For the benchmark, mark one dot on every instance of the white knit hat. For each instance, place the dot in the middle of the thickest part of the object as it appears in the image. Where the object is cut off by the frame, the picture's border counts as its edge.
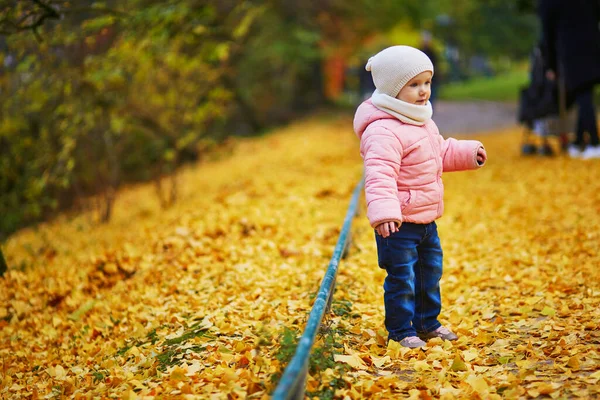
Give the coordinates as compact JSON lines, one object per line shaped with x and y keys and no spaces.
{"x":393,"y":67}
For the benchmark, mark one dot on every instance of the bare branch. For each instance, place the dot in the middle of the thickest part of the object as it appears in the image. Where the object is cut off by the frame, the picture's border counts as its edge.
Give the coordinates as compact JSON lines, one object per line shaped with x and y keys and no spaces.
{"x":34,"y":25}
{"x":51,"y":12}
{"x":24,"y":18}
{"x":39,"y":11}
{"x":38,"y":14}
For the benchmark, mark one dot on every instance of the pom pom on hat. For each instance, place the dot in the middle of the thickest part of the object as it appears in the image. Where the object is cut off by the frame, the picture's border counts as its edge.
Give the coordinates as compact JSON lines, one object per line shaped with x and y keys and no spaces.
{"x":393,"y":67}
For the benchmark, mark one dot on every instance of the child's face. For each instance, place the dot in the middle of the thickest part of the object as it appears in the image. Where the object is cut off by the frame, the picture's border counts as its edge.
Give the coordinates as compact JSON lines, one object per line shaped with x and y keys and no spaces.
{"x":417,"y":90}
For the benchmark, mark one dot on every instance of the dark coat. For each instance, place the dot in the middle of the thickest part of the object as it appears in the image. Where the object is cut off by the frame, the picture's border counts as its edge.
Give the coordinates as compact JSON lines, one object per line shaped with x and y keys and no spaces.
{"x":572,"y":40}
{"x":540,"y":98}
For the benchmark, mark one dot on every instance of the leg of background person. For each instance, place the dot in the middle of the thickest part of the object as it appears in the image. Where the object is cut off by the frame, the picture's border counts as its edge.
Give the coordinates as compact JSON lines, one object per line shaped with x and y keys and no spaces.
{"x":594,"y":139}
{"x":586,"y":118}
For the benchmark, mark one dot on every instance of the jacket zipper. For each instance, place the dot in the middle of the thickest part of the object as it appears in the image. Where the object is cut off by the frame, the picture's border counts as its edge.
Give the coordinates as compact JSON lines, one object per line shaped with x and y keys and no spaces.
{"x":437,"y":173}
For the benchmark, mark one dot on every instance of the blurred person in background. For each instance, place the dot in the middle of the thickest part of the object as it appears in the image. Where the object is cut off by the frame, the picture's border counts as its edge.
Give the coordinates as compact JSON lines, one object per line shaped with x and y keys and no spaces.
{"x":571,"y":33}
{"x":427,"y":48}
{"x":367,"y":87}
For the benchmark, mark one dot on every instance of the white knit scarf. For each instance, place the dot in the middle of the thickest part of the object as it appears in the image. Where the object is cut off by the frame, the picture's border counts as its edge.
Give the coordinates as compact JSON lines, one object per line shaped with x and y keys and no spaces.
{"x":405,"y":112}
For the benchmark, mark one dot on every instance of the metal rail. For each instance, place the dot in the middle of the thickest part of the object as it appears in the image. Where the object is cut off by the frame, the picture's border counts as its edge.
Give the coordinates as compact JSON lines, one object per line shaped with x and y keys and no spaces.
{"x":293,"y":381}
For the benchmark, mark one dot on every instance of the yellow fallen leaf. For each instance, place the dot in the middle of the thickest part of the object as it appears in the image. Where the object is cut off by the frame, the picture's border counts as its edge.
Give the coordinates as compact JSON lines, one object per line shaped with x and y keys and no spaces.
{"x":352,"y":360}
{"x":56,"y":321}
{"x":194,"y":367}
{"x":450,"y":391}
{"x":470,"y":355}
{"x":548,"y":311}
{"x":547,"y":388}
{"x":134,"y":351}
{"x":458,"y":364}
{"x":178,"y":374}
{"x":82,"y":310}
{"x":478,"y":384}
{"x":15,"y":387}
{"x":395,"y":350}
{"x":379,"y":362}
{"x":111,"y":268}
{"x":573,"y":363}
{"x":488,"y":315}
{"x":136,"y":384}
{"x":422,"y":365}
{"x":595,"y":375}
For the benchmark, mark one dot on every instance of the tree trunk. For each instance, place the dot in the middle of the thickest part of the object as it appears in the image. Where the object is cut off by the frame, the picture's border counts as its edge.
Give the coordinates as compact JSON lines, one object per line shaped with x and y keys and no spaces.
{"x":109,"y":200}
{"x":114,"y":168}
{"x":174,"y":188}
{"x":166,"y":196}
{"x":3,"y":266}
{"x":174,"y":170}
{"x":158,"y":177}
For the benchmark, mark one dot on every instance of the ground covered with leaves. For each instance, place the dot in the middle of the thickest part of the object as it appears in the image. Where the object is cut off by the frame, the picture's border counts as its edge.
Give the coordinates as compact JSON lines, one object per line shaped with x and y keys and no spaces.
{"x":207,"y":299}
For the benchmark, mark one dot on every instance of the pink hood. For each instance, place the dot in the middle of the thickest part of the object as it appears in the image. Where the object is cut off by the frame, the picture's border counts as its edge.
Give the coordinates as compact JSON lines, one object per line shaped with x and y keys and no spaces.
{"x":404,"y":165}
{"x":367,"y":113}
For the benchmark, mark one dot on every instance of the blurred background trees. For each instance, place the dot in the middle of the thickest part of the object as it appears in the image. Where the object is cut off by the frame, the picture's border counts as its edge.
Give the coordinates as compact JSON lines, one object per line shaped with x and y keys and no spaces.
{"x":96,"y":94}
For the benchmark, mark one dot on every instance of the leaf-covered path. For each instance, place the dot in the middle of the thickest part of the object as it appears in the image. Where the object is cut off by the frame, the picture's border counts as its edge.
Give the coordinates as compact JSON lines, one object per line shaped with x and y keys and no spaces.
{"x":205,"y":299}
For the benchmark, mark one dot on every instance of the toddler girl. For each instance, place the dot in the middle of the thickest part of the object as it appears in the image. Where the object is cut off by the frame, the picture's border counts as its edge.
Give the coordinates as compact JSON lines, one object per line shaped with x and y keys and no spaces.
{"x":404,"y":156}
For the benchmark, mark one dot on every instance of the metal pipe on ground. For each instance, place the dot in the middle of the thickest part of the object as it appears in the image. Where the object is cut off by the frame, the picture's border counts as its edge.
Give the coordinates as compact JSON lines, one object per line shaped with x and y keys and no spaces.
{"x":293,"y":381}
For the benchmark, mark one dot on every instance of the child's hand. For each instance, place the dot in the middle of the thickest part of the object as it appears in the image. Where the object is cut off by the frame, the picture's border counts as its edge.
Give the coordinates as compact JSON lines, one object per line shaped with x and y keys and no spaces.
{"x":481,"y":156}
{"x":385,"y":229}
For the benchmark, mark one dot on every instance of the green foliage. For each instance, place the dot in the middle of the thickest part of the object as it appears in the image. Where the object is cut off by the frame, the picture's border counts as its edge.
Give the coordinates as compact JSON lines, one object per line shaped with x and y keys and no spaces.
{"x":117,"y":91}
{"x":171,"y":350}
{"x":341,"y":308}
{"x":288,"y":344}
{"x":99,"y":376}
{"x":494,"y":28}
{"x":323,"y":353}
{"x":323,"y":357}
{"x":287,"y":347}
{"x":123,"y":104}
{"x":111,"y":92}
{"x":504,"y":87}
{"x":196,"y":330}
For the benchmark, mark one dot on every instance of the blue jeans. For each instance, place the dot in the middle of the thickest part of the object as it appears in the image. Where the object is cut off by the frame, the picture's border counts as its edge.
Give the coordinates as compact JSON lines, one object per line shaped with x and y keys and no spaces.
{"x":412,"y":258}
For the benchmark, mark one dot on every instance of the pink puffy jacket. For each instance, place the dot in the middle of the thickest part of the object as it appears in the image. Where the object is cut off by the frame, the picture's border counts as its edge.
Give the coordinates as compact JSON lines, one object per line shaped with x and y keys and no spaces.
{"x":404,"y":164}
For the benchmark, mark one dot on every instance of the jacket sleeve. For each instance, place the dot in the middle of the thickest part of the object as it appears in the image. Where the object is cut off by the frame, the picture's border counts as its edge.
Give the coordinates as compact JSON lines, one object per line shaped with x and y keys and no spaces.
{"x":460,"y":155}
{"x":382,"y":152}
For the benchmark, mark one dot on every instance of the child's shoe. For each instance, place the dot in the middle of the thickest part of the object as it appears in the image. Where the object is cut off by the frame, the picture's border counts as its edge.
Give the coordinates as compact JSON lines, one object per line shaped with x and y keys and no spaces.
{"x":412,"y":342}
{"x":441,"y":332}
